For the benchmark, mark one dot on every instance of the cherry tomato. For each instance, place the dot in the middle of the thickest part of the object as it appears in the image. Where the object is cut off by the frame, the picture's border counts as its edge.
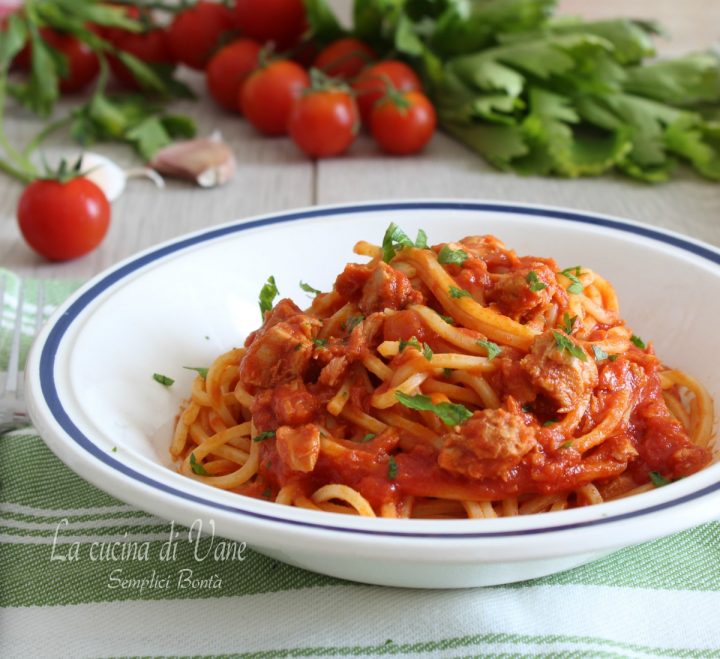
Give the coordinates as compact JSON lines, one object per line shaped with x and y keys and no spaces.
{"x":196,"y":33}
{"x":62,"y":221}
{"x":403,"y":123}
{"x":324,"y":122}
{"x":280,"y":21}
{"x":372,"y":84}
{"x":115,"y":34}
{"x":345,"y":58}
{"x":268,"y":95}
{"x":151,"y":47}
{"x":228,"y":70}
{"x":82,"y":63}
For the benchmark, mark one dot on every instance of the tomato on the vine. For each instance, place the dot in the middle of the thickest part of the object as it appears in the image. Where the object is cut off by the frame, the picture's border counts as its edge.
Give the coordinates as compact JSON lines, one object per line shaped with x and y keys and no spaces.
{"x":228,"y":70}
{"x":403,"y":123}
{"x":268,"y":95}
{"x":324,"y":122}
{"x":373,"y":83}
{"x":281,"y":21}
{"x":345,"y":58}
{"x":197,"y":32}
{"x":150,"y":46}
{"x":63,"y":220}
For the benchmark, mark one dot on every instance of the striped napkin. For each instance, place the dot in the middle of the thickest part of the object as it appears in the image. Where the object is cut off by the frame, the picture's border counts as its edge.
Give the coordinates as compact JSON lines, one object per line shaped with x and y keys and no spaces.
{"x":81,"y":575}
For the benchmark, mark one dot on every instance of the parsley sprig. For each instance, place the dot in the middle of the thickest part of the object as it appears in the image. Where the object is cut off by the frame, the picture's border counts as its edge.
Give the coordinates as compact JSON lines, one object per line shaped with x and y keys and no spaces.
{"x":395,"y":240}
{"x":564,"y":343}
{"x":268,"y":293}
{"x":450,"y":414}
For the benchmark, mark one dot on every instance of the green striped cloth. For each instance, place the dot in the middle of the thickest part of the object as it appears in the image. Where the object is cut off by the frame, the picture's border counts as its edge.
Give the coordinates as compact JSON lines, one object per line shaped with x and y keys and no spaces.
{"x":64,"y":593}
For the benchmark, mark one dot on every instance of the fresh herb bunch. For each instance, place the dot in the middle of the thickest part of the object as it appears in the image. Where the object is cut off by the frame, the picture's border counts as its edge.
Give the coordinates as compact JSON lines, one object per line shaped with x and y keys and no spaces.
{"x":537,"y":94}
{"x":130,"y":118}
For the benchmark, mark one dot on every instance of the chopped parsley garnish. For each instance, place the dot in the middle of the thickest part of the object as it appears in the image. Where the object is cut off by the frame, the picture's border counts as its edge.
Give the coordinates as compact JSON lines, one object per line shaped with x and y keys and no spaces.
{"x":534,"y":283}
{"x":564,"y":343}
{"x":197,"y":466}
{"x":309,"y":289}
{"x":164,"y":380}
{"x":657,"y":479}
{"x":267,"y":294}
{"x":527,"y":408}
{"x":413,"y":343}
{"x":568,"y":323}
{"x":567,"y":444}
{"x":636,"y":340}
{"x":447,"y":372}
{"x":449,"y":256}
{"x":267,"y":493}
{"x":198,"y":369}
{"x":392,"y":469}
{"x":395,"y":239}
{"x":114,"y":449}
{"x":267,"y":434}
{"x":573,"y":274}
{"x":320,"y":343}
{"x":351,"y":323}
{"x":612,"y":358}
{"x":427,"y":352}
{"x":493,"y":349}
{"x":368,"y":437}
{"x":297,"y":346}
{"x":458,"y":292}
{"x":549,"y":422}
{"x":450,"y":414}
{"x":599,"y":353}
{"x":448,"y":319}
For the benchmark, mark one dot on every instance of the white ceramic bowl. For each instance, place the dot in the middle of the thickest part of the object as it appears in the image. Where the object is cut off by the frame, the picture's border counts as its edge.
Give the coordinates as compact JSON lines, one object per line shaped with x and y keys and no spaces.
{"x":91,"y":394}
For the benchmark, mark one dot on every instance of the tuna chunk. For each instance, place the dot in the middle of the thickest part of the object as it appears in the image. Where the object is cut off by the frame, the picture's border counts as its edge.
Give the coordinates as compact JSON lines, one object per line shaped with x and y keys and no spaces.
{"x":387,"y":288}
{"x":490,"y":444}
{"x":522,"y":292}
{"x":563,"y":377}
{"x":298,"y":448}
{"x":293,"y":404}
{"x":280,"y":351}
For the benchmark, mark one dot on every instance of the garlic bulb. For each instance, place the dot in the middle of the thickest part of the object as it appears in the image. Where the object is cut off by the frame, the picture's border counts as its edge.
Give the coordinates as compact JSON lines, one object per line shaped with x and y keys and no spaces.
{"x":207,"y":161}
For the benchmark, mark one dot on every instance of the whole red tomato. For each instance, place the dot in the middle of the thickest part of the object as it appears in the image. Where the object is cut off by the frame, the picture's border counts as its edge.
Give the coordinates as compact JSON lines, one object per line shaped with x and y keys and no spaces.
{"x":280,"y":21}
{"x":82,"y":62}
{"x":268,"y":95}
{"x":324,"y":122}
{"x":403,"y":123}
{"x":372,"y":84}
{"x":151,"y":47}
{"x":196,"y":33}
{"x":62,"y":221}
{"x":345,"y":58}
{"x":228,"y":70}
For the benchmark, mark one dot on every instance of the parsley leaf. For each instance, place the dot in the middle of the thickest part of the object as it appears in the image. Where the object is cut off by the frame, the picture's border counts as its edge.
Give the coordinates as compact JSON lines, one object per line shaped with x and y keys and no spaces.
{"x":267,"y":493}
{"x":163,"y":379}
{"x":427,"y":352}
{"x":450,"y":414}
{"x":267,"y":294}
{"x":392,"y":468}
{"x":534,"y":283}
{"x":309,"y":289}
{"x":421,"y":240}
{"x":394,"y":240}
{"x":448,"y":256}
{"x":320,"y":343}
{"x":564,"y":343}
{"x":567,"y":444}
{"x":448,"y":319}
{"x":267,"y":434}
{"x":458,"y":292}
{"x":493,"y":349}
{"x":198,"y":369}
{"x":568,"y":323}
{"x":599,"y":353}
{"x":612,"y":358}
{"x":351,"y":323}
{"x":573,"y":274}
{"x":197,"y":466}
{"x":368,"y":437}
{"x":636,"y":340}
{"x":549,"y":422}
{"x":657,"y":479}
{"x":447,"y":372}
{"x":413,"y":343}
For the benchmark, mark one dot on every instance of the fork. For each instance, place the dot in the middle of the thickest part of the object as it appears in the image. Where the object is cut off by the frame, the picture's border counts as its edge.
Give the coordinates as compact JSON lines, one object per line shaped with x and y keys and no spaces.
{"x":13,"y":413}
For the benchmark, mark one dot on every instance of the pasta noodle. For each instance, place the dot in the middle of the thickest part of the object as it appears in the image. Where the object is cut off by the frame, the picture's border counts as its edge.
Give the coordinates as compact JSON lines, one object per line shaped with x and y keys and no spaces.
{"x":459,"y":380}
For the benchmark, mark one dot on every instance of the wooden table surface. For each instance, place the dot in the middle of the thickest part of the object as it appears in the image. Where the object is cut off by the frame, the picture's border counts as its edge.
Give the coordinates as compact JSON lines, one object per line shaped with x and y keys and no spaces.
{"x":272,"y":175}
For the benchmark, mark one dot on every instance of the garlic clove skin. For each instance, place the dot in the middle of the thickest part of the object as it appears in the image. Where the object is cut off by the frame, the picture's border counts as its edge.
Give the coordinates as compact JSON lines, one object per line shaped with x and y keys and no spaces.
{"x":104,"y":173}
{"x":207,"y":161}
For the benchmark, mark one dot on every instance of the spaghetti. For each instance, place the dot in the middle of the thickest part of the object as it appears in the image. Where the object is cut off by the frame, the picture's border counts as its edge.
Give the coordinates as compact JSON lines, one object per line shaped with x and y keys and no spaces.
{"x":460,"y":380}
